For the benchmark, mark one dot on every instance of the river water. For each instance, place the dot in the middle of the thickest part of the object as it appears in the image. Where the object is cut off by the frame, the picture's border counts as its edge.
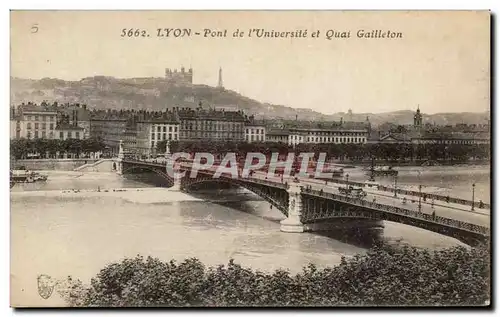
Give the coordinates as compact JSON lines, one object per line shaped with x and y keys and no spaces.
{"x":59,"y":232}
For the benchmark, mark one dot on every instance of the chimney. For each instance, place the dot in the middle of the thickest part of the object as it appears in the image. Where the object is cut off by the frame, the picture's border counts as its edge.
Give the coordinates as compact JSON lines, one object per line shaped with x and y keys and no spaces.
{"x":296,"y":117}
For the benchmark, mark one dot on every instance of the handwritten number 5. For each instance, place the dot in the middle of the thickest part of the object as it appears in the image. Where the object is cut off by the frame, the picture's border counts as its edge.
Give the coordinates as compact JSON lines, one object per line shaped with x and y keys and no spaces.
{"x":34,"y":28}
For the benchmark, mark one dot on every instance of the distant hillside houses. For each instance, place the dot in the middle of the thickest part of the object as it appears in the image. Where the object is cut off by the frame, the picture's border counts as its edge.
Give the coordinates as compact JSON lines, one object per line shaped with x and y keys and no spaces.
{"x":420,"y":133}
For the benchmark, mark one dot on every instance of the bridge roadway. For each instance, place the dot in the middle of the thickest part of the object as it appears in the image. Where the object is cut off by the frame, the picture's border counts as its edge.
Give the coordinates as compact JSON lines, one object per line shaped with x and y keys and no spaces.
{"x":446,"y":216}
{"x":458,"y":212}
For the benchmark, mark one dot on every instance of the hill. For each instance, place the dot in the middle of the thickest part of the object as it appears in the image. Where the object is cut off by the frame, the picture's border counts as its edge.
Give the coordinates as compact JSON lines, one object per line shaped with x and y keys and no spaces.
{"x":158,"y":94}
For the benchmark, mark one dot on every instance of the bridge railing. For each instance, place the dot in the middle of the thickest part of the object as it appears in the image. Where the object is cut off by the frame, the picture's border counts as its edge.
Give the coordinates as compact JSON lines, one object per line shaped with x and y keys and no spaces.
{"x":401,"y":211}
{"x":407,"y":192}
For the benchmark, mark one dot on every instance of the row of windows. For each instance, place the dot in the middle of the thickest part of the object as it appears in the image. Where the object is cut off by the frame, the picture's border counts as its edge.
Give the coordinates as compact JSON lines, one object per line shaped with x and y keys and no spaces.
{"x":254,"y":137}
{"x":276,"y":138}
{"x":164,"y":128}
{"x":43,"y":135}
{"x":333,"y":133}
{"x":299,"y":139}
{"x":257,"y":131}
{"x":208,"y":125}
{"x":336,"y":139}
{"x":163,"y":136}
{"x":41,"y":117}
{"x":44,"y":126}
{"x":454,"y":141}
{"x":211,"y":134}
{"x":212,"y":128}
{"x":70,"y":135}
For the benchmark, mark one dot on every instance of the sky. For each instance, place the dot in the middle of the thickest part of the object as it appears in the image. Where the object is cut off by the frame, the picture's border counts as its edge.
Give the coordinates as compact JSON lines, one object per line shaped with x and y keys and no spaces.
{"x":441,"y":63}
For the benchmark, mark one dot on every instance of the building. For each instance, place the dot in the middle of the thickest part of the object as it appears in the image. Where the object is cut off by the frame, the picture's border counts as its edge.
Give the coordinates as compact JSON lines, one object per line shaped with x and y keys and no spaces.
{"x":140,"y":131}
{"x":108,"y":125}
{"x":66,"y":131}
{"x":298,"y":132}
{"x":156,"y":128}
{"x":182,"y":77}
{"x":433,"y":134}
{"x":76,"y":115}
{"x":418,"y":120}
{"x":255,"y":131}
{"x":452,"y":138}
{"x":210,"y":124}
{"x":15,"y":124}
{"x":277,"y":135}
{"x":328,"y":132}
{"x":33,"y":121}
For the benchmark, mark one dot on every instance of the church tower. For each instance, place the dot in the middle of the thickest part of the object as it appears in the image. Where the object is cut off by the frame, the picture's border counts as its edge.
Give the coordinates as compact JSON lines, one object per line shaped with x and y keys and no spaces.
{"x":417,"y":119}
{"x":220,"y":84}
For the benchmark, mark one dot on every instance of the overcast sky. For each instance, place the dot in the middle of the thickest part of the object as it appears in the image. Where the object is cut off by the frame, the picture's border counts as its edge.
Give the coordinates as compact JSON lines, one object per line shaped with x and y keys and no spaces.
{"x":442,"y":63}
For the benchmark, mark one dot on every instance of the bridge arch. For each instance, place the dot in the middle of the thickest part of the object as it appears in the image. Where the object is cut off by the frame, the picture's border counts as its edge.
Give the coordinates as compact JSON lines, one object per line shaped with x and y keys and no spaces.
{"x":281,"y":205}
{"x":128,"y":168}
{"x":331,"y":209}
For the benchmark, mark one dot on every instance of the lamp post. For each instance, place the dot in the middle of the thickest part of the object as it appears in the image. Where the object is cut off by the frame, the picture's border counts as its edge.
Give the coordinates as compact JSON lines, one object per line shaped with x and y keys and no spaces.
{"x":347,"y":181}
{"x":419,"y":198}
{"x":473,"y":187}
{"x":395,"y":185}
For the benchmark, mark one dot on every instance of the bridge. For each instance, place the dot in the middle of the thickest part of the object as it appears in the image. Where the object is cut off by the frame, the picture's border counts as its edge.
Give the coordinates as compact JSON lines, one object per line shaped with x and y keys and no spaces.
{"x":314,"y":205}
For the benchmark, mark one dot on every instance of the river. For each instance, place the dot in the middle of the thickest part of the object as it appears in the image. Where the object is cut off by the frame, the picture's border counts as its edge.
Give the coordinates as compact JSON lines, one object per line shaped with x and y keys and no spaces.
{"x":60,"y":232}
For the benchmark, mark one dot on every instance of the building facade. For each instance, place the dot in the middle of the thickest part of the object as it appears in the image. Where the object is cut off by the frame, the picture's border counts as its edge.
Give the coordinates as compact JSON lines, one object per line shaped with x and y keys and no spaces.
{"x":33,"y":121}
{"x":163,"y":130}
{"x":75,"y":115}
{"x":210,"y":124}
{"x":328,"y":132}
{"x":277,"y":135}
{"x":69,"y":131}
{"x":255,"y":131}
{"x":108,"y":125}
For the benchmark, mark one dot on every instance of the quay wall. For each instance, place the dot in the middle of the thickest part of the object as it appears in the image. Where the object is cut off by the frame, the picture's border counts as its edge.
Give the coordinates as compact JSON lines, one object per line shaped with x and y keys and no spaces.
{"x":104,"y":165}
{"x":52,"y":164}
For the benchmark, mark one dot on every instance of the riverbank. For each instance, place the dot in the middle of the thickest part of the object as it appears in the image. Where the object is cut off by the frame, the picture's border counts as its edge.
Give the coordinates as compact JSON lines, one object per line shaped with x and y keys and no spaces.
{"x":420,"y":163}
{"x":61,"y":164}
{"x":135,"y":195}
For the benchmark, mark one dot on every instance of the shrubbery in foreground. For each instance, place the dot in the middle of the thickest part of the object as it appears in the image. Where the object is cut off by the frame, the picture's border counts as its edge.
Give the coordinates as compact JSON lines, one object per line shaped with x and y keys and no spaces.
{"x":384,"y":276}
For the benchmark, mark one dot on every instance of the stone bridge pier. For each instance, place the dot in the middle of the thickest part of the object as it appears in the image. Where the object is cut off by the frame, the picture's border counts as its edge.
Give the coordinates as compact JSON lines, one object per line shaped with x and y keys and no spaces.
{"x":292,"y":223}
{"x":119,"y":161}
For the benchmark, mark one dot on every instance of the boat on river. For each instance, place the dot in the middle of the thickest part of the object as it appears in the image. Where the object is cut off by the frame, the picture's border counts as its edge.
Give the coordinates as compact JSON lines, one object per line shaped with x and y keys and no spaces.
{"x":384,"y":171}
{"x":380,"y":171}
{"x":25,"y":176}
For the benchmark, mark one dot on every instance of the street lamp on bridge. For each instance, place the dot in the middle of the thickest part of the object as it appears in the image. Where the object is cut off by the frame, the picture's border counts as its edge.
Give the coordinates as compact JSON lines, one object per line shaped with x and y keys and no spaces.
{"x":420,"y":198}
{"x":473,"y":188}
{"x":395,"y":185}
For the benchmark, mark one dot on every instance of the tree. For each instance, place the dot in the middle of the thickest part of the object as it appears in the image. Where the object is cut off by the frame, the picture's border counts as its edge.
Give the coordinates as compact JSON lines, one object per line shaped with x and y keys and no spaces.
{"x":385,"y":275}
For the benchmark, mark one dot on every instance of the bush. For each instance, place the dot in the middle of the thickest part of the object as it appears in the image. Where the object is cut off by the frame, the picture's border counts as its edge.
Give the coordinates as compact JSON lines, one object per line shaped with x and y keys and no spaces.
{"x":384,"y":276}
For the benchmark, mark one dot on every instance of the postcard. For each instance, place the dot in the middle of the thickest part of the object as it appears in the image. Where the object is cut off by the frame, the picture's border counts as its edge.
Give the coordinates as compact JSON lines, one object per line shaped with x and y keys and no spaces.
{"x":250,"y":158}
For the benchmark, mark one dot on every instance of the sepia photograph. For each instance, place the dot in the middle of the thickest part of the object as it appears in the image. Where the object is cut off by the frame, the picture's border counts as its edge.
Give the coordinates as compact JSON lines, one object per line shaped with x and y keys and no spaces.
{"x":250,"y":159}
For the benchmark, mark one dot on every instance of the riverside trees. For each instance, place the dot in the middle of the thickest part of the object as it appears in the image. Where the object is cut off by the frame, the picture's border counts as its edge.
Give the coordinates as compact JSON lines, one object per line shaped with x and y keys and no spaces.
{"x":357,"y":152}
{"x":384,"y":276}
{"x":48,"y":148}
